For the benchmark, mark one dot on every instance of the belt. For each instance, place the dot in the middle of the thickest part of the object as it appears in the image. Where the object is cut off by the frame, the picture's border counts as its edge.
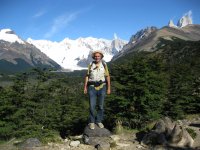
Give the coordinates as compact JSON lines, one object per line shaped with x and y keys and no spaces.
{"x":96,"y":83}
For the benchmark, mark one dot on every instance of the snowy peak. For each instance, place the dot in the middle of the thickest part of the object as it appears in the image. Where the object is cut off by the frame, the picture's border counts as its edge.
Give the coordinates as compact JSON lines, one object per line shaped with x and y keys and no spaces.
{"x":171,"y":24}
{"x":7,"y":31}
{"x":76,"y":54}
{"x":10,"y":36}
{"x":117,"y":44}
{"x":185,"y":20}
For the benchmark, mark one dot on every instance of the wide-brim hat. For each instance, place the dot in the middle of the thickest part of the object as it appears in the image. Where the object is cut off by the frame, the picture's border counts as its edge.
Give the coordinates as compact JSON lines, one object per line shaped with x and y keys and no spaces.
{"x":97,"y":51}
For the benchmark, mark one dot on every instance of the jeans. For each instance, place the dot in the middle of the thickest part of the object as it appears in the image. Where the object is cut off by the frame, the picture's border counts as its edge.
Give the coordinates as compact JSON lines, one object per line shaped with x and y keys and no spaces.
{"x":96,"y":96}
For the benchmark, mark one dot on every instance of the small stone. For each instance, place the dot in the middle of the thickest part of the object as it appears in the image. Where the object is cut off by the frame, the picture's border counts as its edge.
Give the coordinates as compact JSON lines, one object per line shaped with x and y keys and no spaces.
{"x":66,"y":140}
{"x":115,"y":137}
{"x":139,"y":146}
{"x":123,"y":144}
{"x":75,"y":143}
{"x":78,"y":137}
{"x":50,"y":144}
{"x":63,"y":148}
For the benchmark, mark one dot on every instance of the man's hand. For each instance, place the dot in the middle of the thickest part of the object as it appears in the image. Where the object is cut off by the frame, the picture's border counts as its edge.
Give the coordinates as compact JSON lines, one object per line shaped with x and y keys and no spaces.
{"x":85,"y":90}
{"x":108,"y":91}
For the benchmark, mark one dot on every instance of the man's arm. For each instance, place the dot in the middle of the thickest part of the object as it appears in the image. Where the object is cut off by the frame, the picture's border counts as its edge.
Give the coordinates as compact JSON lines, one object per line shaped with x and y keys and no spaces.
{"x":108,"y":84}
{"x":85,"y":85}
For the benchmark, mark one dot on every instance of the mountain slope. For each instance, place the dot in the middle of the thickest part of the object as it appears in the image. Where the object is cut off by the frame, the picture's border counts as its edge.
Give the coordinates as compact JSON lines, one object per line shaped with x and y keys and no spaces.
{"x":150,"y":42}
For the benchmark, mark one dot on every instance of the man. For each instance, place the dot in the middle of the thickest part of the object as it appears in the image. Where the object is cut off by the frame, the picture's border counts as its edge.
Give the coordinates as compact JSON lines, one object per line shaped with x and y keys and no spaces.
{"x":97,"y":84}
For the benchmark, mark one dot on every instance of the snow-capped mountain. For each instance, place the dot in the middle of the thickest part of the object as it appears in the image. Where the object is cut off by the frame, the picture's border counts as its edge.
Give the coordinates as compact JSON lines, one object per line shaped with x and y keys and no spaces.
{"x":10,"y":36}
{"x":75,"y":54}
{"x":185,"y":20}
{"x":171,"y":24}
{"x":17,"y":55}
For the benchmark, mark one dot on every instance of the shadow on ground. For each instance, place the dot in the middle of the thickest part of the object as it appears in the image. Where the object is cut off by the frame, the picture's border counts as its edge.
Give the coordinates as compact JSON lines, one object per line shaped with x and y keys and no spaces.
{"x":195,"y":125}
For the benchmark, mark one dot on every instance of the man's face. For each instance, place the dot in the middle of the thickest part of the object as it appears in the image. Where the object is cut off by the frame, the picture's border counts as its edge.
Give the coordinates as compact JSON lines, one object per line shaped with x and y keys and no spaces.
{"x":97,"y":57}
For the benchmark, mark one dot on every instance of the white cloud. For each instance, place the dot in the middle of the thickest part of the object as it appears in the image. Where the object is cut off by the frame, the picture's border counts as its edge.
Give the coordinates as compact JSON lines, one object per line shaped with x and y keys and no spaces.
{"x":39,"y":14}
{"x":60,"y":22}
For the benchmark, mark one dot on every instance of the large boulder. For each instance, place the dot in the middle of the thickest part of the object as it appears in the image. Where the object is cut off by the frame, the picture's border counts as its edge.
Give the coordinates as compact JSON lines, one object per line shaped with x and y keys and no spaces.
{"x":97,"y":132}
{"x":165,"y":132}
{"x":181,"y":137}
{"x":99,"y":137}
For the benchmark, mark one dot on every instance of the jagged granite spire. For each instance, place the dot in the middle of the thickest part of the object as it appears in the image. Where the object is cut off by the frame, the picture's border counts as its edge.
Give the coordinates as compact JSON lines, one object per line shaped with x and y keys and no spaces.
{"x":185,"y":20}
{"x":171,"y":24}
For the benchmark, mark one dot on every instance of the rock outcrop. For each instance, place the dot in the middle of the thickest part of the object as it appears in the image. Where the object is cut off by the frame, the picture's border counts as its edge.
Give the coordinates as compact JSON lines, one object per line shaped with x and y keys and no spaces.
{"x":99,"y":138}
{"x":166,"y":132}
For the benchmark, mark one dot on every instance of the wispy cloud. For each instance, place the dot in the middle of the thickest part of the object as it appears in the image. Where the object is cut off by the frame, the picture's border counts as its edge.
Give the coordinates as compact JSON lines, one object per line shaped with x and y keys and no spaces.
{"x":60,"y":22}
{"x":39,"y":14}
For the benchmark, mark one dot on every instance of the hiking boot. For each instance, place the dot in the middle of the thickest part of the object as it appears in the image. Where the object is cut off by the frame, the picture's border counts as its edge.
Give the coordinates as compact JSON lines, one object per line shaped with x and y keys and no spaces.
{"x":100,"y":125}
{"x":91,"y":126}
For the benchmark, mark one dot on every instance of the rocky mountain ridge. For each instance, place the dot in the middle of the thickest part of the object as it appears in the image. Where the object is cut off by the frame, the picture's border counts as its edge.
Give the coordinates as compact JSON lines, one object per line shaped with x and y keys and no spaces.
{"x":153,"y":35}
{"x":147,"y":39}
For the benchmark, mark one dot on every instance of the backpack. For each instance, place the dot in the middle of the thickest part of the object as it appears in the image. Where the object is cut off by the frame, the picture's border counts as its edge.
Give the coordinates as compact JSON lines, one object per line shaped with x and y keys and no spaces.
{"x":103,"y":62}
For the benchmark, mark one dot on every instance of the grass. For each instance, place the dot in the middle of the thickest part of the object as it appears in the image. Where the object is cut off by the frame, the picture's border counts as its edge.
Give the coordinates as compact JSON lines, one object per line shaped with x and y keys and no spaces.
{"x":192,"y":116}
{"x":192,"y":133}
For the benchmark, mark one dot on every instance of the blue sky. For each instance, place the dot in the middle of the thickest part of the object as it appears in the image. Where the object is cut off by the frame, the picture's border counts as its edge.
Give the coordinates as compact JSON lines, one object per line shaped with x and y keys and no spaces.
{"x":58,"y":19}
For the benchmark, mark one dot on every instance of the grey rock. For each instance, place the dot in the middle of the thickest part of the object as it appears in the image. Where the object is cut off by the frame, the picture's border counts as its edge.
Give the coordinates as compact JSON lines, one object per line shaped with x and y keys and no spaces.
{"x":154,"y":138}
{"x":165,"y":132}
{"x":97,"y":132}
{"x":99,"y":138}
{"x":30,"y":143}
{"x":159,"y":127}
{"x":181,"y":137}
{"x":103,"y":146}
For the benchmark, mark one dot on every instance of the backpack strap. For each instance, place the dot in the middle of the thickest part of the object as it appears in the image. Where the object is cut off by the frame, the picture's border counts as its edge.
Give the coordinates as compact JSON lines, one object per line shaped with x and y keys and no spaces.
{"x":105,"y":68}
{"x":104,"y":65}
{"x":89,"y":67}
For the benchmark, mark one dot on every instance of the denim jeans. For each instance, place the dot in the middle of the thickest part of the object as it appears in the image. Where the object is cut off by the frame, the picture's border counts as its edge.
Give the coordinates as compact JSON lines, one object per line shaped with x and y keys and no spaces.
{"x":96,"y":96}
